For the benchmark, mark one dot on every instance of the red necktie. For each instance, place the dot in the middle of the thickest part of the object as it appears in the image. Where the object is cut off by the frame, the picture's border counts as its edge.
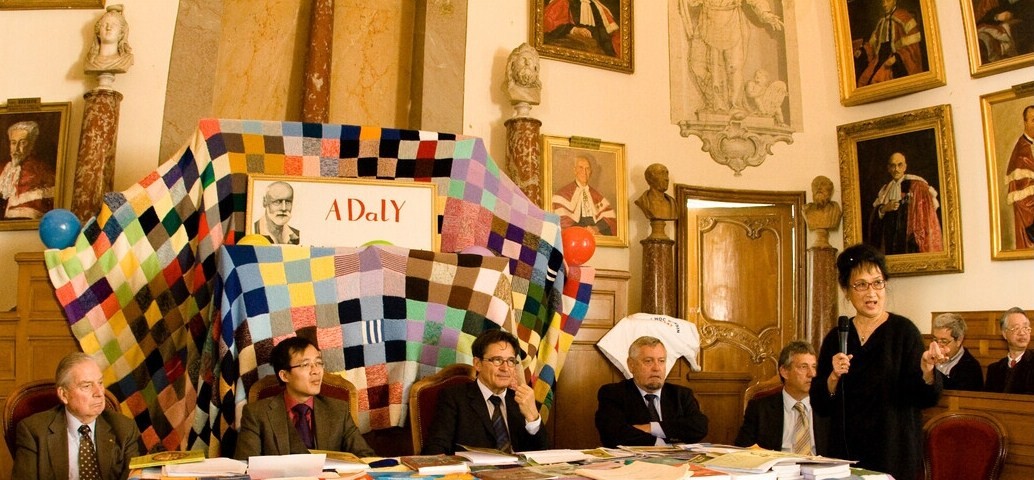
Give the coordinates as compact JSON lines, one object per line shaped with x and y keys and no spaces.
{"x":1012,"y":363}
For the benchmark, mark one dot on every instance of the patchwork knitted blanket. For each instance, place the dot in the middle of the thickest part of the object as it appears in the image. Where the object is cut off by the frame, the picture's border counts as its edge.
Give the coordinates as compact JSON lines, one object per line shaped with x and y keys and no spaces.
{"x":138,"y":287}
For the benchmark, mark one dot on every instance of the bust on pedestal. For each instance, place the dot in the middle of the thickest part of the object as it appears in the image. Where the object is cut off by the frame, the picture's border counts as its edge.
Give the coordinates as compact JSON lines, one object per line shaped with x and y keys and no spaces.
{"x":658,"y":295}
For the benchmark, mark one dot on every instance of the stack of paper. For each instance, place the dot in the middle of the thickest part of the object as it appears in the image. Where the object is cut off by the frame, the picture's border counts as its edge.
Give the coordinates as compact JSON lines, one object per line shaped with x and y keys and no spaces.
{"x":824,"y":471}
{"x":342,"y":462}
{"x":295,"y":465}
{"x":787,"y":471}
{"x":166,"y":458}
{"x":560,"y":455}
{"x":210,"y":467}
{"x":637,"y":471}
{"x":487,"y":456}
{"x":435,"y":464}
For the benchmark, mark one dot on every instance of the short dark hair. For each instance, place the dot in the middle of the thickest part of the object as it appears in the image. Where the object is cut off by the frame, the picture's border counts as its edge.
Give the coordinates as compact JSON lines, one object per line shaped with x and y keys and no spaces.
{"x":796,"y":347}
{"x":856,"y":256}
{"x":493,"y":336}
{"x":281,"y":355}
{"x":1025,"y":110}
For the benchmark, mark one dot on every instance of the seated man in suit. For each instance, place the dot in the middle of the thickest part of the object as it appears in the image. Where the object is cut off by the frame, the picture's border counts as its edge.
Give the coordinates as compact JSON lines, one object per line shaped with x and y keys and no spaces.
{"x":79,"y":438}
{"x":301,"y":419}
{"x":776,"y":422}
{"x":470,"y":414}
{"x":962,"y":371}
{"x":1015,"y":372}
{"x":627,"y":413}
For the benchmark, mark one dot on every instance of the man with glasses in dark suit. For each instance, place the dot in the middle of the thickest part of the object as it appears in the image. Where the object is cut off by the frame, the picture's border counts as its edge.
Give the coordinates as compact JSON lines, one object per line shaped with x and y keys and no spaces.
{"x":498,"y":410}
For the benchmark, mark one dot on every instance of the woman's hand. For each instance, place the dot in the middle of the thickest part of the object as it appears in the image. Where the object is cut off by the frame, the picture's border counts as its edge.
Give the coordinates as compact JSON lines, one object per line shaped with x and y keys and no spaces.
{"x":841,"y":365}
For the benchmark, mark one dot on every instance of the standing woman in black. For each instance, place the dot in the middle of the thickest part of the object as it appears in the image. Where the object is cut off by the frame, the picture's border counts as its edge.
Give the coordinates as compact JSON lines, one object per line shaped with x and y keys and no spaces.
{"x":874,"y":393}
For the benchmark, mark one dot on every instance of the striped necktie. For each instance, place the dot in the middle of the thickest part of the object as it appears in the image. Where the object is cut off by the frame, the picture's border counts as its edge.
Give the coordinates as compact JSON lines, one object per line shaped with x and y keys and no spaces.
{"x":502,"y":438}
{"x":801,"y":433}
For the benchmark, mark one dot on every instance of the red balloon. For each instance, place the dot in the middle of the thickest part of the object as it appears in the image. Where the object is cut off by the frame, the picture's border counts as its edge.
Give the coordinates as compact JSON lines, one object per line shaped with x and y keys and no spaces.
{"x":579,"y":245}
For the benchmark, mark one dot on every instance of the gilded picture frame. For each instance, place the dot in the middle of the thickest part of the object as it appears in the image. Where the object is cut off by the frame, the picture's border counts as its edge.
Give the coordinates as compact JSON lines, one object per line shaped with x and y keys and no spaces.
{"x":915,"y":222}
{"x":49,"y":4}
{"x":344,"y":212}
{"x":564,"y":158}
{"x":868,"y":73}
{"x":557,"y":34}
{"x":46,"y":155}
{"x":998,"y":39}
{"x":1007,"y":115}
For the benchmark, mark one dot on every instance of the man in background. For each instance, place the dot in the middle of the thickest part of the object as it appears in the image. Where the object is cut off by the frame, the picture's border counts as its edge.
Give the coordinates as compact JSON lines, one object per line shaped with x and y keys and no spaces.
{"x":278,"y":203}
{"x":785,"y":421}
{"x":301,"y":419}
{"x":79,"y":438}
{"x":962,"y":371}
{"x":904,"y":215}
{"x":1020,"y":175}
{"x":1015,"y":372}
{"x":579,"y":204}
{"x":644,"y":410}
{"x":497,"y":410}
{"x":26,"y":182}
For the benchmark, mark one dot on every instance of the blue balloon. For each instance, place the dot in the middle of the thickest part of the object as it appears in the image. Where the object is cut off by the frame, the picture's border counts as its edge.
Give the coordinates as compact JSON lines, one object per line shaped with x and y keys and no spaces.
{"x":58,"y":228}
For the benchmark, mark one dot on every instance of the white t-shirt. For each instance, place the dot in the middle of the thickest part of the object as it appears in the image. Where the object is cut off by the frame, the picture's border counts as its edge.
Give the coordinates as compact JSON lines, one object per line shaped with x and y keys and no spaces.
{"x":680,"y":339}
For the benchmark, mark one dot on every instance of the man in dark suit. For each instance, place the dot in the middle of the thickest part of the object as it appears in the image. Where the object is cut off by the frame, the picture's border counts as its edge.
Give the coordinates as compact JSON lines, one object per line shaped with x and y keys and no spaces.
{"x":962,"y":371}
{"x":771,"y":422}
{"x":627,"y":413}
{"x":1015,"y":372}
{"x":467,"y":414}
{"x":301,"y":419}
{"x":79,"y":438}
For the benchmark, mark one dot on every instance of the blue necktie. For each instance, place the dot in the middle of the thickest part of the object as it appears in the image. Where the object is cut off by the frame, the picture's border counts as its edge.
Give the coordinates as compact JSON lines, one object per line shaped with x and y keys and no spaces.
{"x":502,"y":438}
{"x":301,"y":423}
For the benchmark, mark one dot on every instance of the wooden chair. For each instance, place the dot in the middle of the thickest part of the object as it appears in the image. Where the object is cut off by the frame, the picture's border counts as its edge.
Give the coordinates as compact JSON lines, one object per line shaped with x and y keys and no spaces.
{"x":423,"y":398}
{"x":32,"y":398}
{"x":762,"y":389}
{"x":964,"y":445}
{"x":334,"y":386}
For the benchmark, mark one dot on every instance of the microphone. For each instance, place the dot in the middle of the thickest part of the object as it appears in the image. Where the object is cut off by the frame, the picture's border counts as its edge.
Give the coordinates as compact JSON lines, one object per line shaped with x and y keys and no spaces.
{"x":842,"y":331}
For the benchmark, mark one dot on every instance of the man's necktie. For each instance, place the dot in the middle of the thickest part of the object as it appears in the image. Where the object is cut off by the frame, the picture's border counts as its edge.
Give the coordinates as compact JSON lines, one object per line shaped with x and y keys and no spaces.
{"x":502,"y":438}
{"x":89,"y":468}
{"x":652,"y":407}
{"x":801,"y":432}
{"x":1012,"y":362}
{"x":301,"y":422}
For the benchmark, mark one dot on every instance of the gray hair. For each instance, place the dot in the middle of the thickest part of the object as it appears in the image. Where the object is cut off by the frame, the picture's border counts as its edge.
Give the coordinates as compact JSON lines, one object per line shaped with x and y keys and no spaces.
{"x":953,"y":322}
{"x":26,"y":126}
{"x":643,"y":341}
{"x":1004,"y":319}
{"x":63,"y":374}
{"x":796,"y":347}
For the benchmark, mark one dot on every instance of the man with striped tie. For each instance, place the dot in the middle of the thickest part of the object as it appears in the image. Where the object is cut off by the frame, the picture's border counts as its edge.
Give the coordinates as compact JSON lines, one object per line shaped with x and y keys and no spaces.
{"x":785,"y":421}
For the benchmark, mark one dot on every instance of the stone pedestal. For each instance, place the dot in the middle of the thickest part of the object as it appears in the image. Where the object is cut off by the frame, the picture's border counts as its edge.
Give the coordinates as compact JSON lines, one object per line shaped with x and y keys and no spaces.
{"x":658,"y":294}
{"x":95,"y":165}
{"x":822,"y":293}
{"x":316,"y":97}
{"x":523,"y":156}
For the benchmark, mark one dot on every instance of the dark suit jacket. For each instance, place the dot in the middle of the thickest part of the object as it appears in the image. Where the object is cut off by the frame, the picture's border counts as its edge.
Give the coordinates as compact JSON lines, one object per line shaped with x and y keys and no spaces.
{"x":763,"y":425}
{"x":462,"y":418}
{"x":621,"y":406}
{"x":1019,"y":379}
{"x":266,"y":429}
{"x":41,"y":445}
{"x":966,"y":375}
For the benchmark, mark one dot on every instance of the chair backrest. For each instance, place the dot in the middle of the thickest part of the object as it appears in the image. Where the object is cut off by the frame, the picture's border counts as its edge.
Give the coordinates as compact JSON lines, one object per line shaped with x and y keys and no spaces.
{"x":964,"y":445}
{"x":423,"y":398}
{"x":32,"y":398}
{"x":334,"y":386}
{"x":762,"y":389}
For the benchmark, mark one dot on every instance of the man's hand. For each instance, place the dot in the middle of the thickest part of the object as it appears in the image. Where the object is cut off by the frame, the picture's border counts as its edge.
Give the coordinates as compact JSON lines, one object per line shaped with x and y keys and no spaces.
{"x":525,"y":398}
{"x":644,"y":427}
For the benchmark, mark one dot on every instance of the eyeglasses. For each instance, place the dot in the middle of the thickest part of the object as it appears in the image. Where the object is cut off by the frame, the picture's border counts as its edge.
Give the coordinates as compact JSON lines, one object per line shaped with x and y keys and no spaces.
{"x":945,"y":341}
{"x":307,"y":365}
{"x":1018,"y":329}
{"x":863,"y":286}
{"x":499,"y":361}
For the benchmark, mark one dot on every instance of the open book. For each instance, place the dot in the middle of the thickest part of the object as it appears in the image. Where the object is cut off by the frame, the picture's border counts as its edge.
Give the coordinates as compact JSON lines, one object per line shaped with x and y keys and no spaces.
{"x":435,"y":464}
{"x":477,"y":456}
{"x":166,"y":458}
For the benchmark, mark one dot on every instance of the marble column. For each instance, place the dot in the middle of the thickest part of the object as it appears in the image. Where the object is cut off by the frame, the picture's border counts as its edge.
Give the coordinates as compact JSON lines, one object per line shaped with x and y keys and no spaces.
{"x":316,"y":84}
{"x":658,"y":295}
{"x":95,"y":166}
{"x":822,"y":293}
{"x":523,"y":156}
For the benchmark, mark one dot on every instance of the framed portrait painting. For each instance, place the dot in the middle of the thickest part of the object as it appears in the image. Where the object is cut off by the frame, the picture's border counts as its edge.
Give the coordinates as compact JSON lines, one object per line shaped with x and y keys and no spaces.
{"x":602,"y":39}
{"x":999,"y":35}
{"x":338,"y":212}
{"x":49,"y":4}
{"x":1008,"y":130}
{"x":886,"y":49}
{"x":900,"y":189}
{"x":32,"y":162}
{"x":584,"y":183}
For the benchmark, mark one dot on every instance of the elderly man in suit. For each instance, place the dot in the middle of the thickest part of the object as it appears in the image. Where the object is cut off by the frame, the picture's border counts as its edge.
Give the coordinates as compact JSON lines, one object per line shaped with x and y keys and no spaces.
{"x":79,"y":438}
{"x":301,"y":419}
{"x":627,"y":413}
{"x":786,"y":422}
{"x":1015,"y":372}
{"x":497,"y":410}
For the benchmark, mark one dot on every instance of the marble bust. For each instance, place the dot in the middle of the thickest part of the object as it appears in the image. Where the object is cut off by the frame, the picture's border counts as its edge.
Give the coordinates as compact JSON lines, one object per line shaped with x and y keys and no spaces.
{"x":110,"y":52}
{"x":522,"y":77}
{"x":822,"y":214}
